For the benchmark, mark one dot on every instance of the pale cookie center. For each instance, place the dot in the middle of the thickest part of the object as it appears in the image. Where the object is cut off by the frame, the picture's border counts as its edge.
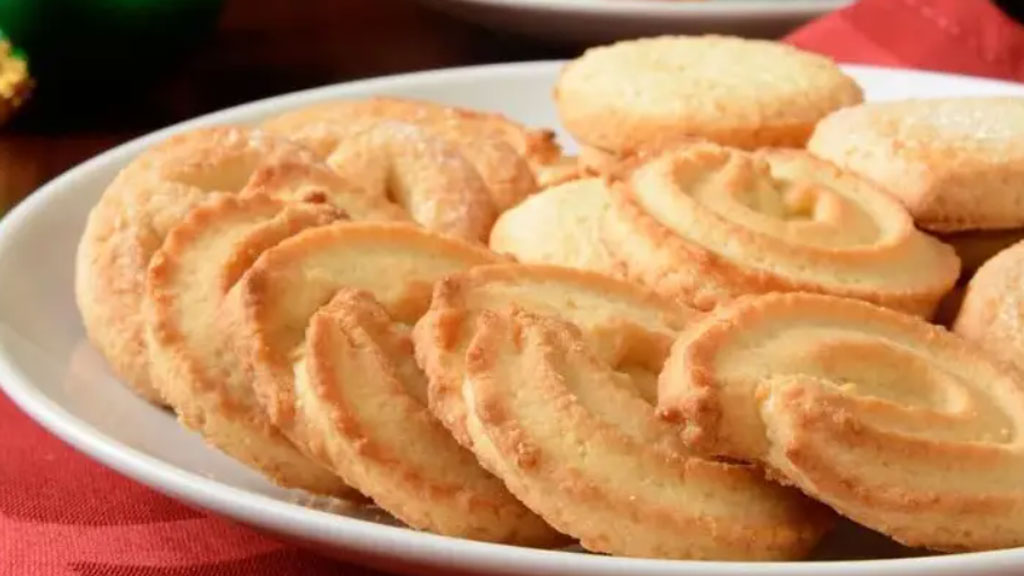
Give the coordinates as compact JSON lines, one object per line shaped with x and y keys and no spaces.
{"x":426,"y":175}
{"x":745,"y":191}
{"x":227,"y":176}
{"x":370,"y":160}
{"x":635,"y":352}
{"x":910,"y":391}
{"x":868,"y":368}
{"x":809,"y":202}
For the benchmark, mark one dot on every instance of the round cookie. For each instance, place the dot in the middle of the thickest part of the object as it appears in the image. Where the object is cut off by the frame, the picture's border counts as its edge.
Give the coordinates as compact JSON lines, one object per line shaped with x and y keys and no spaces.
{"x":747,"y":93}
{"x":957,"y":164}
{"x":558,"y":171}
{"x":559,"y":226}
{"x":992,"y":312}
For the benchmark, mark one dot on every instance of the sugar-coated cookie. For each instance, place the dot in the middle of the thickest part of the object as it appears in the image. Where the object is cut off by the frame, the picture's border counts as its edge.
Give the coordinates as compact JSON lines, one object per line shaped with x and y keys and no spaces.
{"x":992,"y":312}
{"x":747,"y":93}
{"x":956,"y":163}
{"x":560,"y":226}
{"x":504,"y":152}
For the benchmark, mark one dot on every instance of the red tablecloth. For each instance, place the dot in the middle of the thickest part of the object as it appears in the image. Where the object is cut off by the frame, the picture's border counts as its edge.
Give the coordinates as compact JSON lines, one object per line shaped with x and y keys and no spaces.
{"x":62,"y":514}
{"x":964,"y":36}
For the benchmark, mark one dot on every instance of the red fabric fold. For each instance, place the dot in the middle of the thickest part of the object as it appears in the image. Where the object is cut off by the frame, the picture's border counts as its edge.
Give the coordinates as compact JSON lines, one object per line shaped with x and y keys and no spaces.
{"x":964,"y":36}
{"x":61,"y":514}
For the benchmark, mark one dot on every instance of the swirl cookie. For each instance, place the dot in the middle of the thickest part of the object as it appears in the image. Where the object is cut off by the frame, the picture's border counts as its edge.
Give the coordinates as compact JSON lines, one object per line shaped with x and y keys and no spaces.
{"x":560,"y":226}
{"x":894,"y":422}
{"x":957,"y":164}
{"x":148,"y":198}
{"x":408,"y":166}
{"x":706,"y":223}
{"x":325,"y":328}
{"x":992,"y":312}
{"x":632,"y":327}
{"x":503,"y":152}
{"x":538,"y":370}
{"x":191,"y":363}
{"x":637,"y":94}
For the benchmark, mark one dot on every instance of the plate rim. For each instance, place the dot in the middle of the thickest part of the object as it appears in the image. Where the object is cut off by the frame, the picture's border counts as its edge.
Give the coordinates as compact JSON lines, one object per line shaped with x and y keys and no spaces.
{"x":643,"y":8}
{"x":422,"y":548}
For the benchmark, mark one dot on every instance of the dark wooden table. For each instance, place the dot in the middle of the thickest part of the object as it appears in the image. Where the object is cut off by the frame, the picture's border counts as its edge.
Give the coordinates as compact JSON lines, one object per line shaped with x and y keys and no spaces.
{"x":260,"y":48}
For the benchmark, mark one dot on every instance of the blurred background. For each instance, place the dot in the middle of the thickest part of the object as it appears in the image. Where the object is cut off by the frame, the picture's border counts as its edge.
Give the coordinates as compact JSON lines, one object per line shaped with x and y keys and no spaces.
{"x":108,"y":70}
{"x":104,"y":71}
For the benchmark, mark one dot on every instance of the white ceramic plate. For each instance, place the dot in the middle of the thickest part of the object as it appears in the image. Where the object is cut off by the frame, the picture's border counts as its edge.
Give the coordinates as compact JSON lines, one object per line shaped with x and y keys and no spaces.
{"x":606,"y":20}
{"x":47,"y":367}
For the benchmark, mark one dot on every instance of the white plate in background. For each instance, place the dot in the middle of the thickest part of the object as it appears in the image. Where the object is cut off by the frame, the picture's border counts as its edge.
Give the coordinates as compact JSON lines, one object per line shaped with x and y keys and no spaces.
{"x":48,"y":368}
{"x":595,"y":21}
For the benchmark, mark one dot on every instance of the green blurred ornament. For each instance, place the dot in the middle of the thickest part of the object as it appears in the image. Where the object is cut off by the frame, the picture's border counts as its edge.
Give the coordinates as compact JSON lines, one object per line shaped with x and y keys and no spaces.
{"x":115,"y":29}
{"x":84,"y":50}
{"x":15,"y":82}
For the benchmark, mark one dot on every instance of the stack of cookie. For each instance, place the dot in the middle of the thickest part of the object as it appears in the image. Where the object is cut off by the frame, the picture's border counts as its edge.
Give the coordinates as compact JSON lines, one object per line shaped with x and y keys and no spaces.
{"x":698,"y":340}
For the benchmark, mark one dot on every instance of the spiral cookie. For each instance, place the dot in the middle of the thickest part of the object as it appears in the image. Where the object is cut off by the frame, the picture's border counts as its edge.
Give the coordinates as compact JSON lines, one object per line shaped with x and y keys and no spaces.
{"x":191,"y":361}
{"x":956,"y":163}
{"x":642,"y":93}
{"x":428,"y":177}
{"x":595,"y":162}
{"x":129,"y":223}
{"x":895,"y":423}
{"x":705,"y":224}
{"x":633,"y":327}
{"x":502,"y":151}
{"x":540,"y":370}
{"x":560,"y":226}
{"x":314,"y":181}
{"x":326,"y":317}
{"x":992,"y":312}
